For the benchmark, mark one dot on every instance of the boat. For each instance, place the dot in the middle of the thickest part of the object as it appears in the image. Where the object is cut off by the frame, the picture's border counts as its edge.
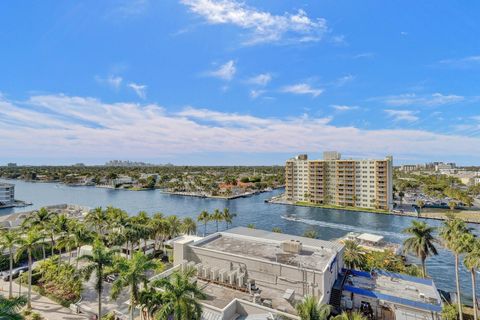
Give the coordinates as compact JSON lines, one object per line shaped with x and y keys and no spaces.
{"x":372,"y":242}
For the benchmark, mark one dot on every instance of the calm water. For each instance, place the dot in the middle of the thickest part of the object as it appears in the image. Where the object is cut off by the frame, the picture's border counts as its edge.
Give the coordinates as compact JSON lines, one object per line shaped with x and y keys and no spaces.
{"x":329,"y":224}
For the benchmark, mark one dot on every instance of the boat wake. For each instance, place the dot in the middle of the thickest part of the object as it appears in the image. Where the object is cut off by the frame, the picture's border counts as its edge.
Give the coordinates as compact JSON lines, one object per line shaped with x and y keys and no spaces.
{"x":344,"y":227}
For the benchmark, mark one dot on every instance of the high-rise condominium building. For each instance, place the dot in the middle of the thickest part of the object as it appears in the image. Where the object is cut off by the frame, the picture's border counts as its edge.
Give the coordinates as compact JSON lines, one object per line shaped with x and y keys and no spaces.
{"x":346,"y":183}
{"x":7,"y":194}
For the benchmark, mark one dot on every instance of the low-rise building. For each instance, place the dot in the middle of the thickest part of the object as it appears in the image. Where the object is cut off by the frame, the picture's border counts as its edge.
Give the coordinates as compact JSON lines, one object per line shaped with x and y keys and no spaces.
{"x":7,"y":194}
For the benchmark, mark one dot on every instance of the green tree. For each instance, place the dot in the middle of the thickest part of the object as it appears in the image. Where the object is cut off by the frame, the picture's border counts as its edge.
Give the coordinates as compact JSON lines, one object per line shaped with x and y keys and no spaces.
{"x":9,"y":308}
{"x":353,"y":255}
{"x":276,"y":230}
{"x":100,"y":259}
{"x":350,"y":316}
{"x":310,"y":309}
{"x":204,"y":217}
{"x":179,"y":297}
{"x":40,"y":220}
{"x":455,"y":236}
{"x":189,"y":226}
{"x":452,"y":205}
{"x":228,"y":217}
{"x":472,"y":263}
{"x":133,"y":274}
{"x":8,"y":240}
{"x":311,"y":234}
{"x":251,"y":226}
{"x":217,"y":216}
{"x":98,"y":219}
{"x":28,"y":243}
{"x":420,"y":243}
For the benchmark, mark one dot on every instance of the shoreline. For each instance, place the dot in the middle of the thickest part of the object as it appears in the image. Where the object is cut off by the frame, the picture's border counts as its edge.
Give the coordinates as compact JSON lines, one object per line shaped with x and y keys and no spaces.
{"x":279,"y":200}
{"x":243,"y":195}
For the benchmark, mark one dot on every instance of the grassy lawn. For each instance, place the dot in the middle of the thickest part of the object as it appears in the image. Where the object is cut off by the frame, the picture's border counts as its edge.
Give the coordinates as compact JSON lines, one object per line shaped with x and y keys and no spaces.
{"x":309,"y":204}
{"x":435,"y":213}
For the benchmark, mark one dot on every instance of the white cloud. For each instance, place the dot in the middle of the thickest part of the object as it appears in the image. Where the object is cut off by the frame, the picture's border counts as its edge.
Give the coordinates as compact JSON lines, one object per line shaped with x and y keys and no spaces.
{"x":344,"y":107}
{"x":256,"y":93}
{"x":462,"y":62}
{"x":402,"y":115}
{"x":262,"y":25}
{"x":226,"y":71}
{"x":433,"y":100}
{"x":344,"y":80}
{"x":303,"y":88}
{"x":261,"y":80}
{"x":140,"y":89}
{"x":112,"y":81}
{"x":90,"y":128}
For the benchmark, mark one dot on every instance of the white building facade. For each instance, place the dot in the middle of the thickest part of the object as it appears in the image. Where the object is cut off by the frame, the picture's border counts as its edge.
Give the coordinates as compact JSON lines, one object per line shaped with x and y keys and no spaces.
{"x":7,"y":194}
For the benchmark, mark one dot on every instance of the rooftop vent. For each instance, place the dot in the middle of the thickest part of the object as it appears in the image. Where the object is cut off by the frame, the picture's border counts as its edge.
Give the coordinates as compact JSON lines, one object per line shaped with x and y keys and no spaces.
{"x":292,"y":246}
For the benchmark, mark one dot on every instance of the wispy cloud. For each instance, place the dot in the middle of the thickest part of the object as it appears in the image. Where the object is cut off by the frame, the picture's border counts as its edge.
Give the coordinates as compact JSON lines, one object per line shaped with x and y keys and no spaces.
{"x":256,"y":93}
{"x":303,"y":88}
{"x":109,"y":130}
{"x":402,"y":115}
{"x":432,"y":100}
{"x":262,"y":25}
{"x":112,"y":81}
{"x":129,"y":8}
{"x":261,"y":79}
{"x":140,"y":89}
{"x":344,"y":107}
{"x":463,"y":62}
{"x":226,"y":71}
{"x":344,"y":80}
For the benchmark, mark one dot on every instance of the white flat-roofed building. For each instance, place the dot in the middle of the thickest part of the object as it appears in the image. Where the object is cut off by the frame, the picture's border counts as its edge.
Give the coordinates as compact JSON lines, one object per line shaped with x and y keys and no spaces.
{"x":7,"y":194}
{"x":284,"y":268}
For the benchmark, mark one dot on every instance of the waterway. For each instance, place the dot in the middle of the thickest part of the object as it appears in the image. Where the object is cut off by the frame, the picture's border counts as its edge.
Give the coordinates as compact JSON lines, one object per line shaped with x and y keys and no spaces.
{"x":329,"y":224}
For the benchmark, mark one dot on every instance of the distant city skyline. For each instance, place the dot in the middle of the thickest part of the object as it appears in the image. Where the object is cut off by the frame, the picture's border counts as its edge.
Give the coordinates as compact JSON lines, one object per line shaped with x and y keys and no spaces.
{"x":226,"y":82}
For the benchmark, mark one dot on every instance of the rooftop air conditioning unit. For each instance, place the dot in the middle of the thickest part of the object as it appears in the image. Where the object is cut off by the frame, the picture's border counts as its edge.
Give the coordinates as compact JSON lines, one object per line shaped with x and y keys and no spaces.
{"x":199,"y":268}
{"x":231,"y":277}
{"x":291,"y":246}
{"x":214,"y":274}
{"x":223,"y":276}
{"x":206,"y":272}
{"x":240,"y":280}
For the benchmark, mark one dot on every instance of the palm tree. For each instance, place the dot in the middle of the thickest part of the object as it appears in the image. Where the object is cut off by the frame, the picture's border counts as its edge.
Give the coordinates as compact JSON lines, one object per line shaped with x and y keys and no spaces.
{"x":350,"y":316}
{"x":421,"y":242}
{"x":179,"y":297}
{"x":189,"y":226}
{"x":158,"y":225}
{"x":100,"y":258}
{"x":133,"y":274}
{"x":9,"y":308}
{"x":310,"y":309}
{"x":174,"y":226}
{"x":204,"y":217}
{"x":39,"y":219}
{"x":217,"y":216}
{"x":98,"y":219}
{"x":455,"y":235}
{"x":8,"y":241}
{"x":353,"y":255}
{"x":472,"y":263}
{"x":311,"y":234}
{"x":28,"y":243}
{"x":276,"y":230}
{"x":228,"y":216}
{"x":251,"y":226}
{"x":150,"y":300}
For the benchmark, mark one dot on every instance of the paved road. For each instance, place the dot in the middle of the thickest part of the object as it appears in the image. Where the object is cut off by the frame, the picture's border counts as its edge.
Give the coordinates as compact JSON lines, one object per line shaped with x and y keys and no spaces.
{"x":47,"y":308}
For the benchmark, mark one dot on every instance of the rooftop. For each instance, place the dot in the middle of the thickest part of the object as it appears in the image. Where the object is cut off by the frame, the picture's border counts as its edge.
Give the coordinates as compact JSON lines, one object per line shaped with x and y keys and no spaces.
{"x":397,"y":288}
{"x":264,"y":245}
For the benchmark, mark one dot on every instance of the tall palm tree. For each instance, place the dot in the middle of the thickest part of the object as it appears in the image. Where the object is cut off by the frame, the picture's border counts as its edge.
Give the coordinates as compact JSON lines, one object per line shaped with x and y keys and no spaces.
{"x":228,"y":217}
{"x":179,"y":300}
{"x":98,"y":219}
{"x":189,"y":226}
{"x":353,"y":255}
{"x":133,"y":274}
{"x":61,"y":227}
{"x":421,"y":242}
{"x":150,"y":300}
{"x":472,"y":263}
{"x":8,"y":241}
{"x":204,"y":217}
{"x":310,"y":309}
{"x":217,"y":216}
{"x":174,"y":226}
{"x":158,"y":225}
{"x":455,"y":236}
{"x":9,"y":308}
{"x":28,"y":243}
{"x":100,"y":259}
{"x":39,"y":219}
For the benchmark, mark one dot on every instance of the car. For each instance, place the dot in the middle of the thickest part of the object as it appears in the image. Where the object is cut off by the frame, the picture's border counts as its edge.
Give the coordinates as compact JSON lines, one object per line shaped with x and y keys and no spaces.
{"x":15,"y":273}
{"x":111,"y":277}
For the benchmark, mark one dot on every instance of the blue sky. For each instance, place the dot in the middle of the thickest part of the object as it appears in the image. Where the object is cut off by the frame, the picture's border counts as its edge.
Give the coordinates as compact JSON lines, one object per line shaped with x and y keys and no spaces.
{"x":229,"y":82}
